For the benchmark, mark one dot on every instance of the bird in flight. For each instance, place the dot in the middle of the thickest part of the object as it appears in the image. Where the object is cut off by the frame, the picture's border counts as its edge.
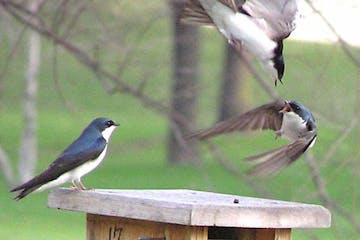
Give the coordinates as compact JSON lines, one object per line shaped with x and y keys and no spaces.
{"x":289,"y":119}
{"x":79,"y":158}
{"x":258,"y":25}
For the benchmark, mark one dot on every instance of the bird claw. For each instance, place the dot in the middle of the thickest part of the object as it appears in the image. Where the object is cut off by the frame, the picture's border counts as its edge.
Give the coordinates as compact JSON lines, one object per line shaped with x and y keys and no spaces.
{"x":75,"y":188}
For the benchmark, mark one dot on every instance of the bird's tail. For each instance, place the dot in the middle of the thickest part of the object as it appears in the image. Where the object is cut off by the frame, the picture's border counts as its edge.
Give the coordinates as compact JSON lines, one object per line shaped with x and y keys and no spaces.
{"x":24,"y":191}
{"x":269,"y":163}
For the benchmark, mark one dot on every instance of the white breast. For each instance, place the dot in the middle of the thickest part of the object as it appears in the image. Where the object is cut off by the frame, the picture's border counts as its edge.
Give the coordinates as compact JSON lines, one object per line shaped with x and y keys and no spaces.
{"x":107,"y":133}
{"x":241,"y":27}
{"x":87,"y":167}
{"x":293,"y":126}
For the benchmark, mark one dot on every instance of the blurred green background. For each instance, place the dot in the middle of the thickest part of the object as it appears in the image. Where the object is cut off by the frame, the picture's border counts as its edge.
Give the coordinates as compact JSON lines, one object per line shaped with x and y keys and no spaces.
{"x":321,"y":76}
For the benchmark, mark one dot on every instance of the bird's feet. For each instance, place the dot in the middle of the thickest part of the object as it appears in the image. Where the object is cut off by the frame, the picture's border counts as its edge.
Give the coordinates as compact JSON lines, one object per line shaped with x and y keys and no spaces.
{"x":82,"y":187}
{"x":79,"y":186}
{"x":75,"y":188}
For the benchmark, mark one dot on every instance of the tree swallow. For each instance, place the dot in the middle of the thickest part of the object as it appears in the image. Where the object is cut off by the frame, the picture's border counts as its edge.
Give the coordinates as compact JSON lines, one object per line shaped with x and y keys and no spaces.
{"x":289,"y":119}
{"x":259,"y":25}
{"x":81,"y":157}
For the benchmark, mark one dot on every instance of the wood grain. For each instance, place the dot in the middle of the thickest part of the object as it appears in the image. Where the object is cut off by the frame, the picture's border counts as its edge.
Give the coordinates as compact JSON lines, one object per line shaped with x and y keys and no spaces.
{"x":192,"y":208}
{"x":101,"y":227}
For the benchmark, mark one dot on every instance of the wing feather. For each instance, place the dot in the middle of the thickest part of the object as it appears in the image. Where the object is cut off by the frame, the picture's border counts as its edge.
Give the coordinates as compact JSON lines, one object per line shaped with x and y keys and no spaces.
{"x":271,"y":162}
{"x":267,"y":116}
{"x":194,"y":12}
{"x":276,"y":16}
{"x":67,"y":161}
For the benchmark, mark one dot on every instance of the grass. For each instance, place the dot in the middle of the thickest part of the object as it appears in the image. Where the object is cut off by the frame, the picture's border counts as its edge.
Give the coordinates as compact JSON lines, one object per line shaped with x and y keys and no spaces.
{"x":321,"y":76}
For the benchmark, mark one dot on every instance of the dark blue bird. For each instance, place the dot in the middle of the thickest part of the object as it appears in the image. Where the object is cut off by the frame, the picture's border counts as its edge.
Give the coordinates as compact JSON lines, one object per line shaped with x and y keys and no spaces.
{"x":81,"y":157}
{"x":289,"y":119}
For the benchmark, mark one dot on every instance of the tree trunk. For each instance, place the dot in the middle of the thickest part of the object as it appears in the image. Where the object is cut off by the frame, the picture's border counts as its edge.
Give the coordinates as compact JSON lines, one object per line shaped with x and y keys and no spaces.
{"x":184,"y":90}
{"x":28,"y":148}
{"x":230,"y":98}
{"x":5,"y":168}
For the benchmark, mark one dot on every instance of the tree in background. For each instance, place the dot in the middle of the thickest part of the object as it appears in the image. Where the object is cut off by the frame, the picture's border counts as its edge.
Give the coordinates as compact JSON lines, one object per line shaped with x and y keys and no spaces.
{"x":28,"y":148}
{"x":230,"y":93}
{"x":184,"y":88}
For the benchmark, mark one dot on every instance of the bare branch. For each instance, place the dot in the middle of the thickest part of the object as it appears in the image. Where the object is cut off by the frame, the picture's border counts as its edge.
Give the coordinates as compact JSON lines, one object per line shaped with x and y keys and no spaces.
{"x":129,"y":54}
{"x":340,"y":139}
{"x":55,"y":77}
{"x":263,"y":82}
{"x":323,"y":194}
{"x":59,"y":16}
{"x":345,"y":46}
{"x":73,"y":21}
{"x":11,"y":54}
{"x":82,"y":56}
{"x":231,"y":168}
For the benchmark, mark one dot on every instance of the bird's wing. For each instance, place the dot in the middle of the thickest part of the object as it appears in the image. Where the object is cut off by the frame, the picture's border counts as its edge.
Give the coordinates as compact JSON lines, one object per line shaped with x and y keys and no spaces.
{"x":194,"y":12}
{"x":276,"y":17}
{"x":271,"y":162}
{"x":267,"y":116}
{"x":67,"y":161}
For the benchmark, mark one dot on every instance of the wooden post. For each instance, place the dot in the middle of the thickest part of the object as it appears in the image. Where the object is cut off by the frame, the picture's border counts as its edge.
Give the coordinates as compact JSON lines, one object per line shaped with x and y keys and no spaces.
{"x":114,"y":228}
{"x":186,"y":215}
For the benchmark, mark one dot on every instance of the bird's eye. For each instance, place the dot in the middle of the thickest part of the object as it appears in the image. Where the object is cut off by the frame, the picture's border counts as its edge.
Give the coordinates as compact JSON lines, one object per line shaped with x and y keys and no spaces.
{"x":109,"y":123}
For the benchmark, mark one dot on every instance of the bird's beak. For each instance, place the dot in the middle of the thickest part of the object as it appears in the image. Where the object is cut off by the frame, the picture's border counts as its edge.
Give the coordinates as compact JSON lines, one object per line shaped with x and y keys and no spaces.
{"x":287,"y":108}
{"x":116,"y":124}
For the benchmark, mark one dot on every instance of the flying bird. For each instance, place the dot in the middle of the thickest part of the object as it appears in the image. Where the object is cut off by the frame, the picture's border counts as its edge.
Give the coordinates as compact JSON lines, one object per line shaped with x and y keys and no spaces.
{"x":79,"y":158}
{"x":258,"y":25}
{"x":289,"y":119}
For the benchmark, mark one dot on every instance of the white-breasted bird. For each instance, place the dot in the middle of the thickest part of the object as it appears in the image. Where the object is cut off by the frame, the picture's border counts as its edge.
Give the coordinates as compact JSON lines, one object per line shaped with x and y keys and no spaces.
{"x":258,"y":25}
{"x":79,"y":158}
{"x":289,"y":119}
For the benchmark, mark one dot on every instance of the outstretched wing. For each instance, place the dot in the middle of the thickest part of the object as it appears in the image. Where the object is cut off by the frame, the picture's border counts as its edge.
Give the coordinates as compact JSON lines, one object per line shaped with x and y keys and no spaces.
{"x":267,"y":116}
{"x":271,"y":162}
{"x":277,"y":17}
{"x":194,"y":11}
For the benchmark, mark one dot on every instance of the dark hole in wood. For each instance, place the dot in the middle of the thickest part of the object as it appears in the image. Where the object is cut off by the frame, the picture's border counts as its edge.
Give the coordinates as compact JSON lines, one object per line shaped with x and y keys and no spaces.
{"x":226,"y":233}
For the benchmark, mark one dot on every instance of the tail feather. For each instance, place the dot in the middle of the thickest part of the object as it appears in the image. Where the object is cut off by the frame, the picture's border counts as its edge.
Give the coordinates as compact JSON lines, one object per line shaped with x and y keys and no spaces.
{"x":270,"y":167}
{"x":27,"y":187}
{"x":24,"y":192}
{"x":271,"y":162}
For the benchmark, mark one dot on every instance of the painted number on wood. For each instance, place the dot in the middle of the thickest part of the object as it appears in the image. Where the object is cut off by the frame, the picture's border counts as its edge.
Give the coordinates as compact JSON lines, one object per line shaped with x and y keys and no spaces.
{"x":115,"y":232}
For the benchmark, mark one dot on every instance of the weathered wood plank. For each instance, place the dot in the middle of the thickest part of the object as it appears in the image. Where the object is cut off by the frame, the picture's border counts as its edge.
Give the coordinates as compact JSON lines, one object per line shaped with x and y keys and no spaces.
{"x":283,"y":234}
{"x":193,"y":208}
{"x":263,"y":234}
{"x":114,"y":228}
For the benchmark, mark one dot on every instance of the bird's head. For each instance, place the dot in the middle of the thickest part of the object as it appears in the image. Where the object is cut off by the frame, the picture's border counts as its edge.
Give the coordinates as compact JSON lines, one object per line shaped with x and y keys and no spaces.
{"x":298,"y":108}
{"x":105,"y":125}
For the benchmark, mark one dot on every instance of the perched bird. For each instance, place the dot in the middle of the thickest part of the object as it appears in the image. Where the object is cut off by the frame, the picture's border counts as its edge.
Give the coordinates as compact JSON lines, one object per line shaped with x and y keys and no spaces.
{"x":258,"y":25}
{"x":81,"y":157}
{"x":289,"y":119}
